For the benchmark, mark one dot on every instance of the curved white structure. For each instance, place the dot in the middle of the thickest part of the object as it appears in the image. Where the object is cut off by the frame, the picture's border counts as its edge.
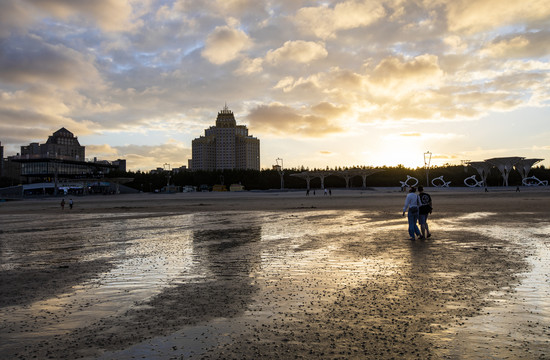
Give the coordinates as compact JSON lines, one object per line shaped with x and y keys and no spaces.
{"x":409,"y":178}
{"x":435,"y":182}
{"x":534,"y":181}
{"x":468,"y":182}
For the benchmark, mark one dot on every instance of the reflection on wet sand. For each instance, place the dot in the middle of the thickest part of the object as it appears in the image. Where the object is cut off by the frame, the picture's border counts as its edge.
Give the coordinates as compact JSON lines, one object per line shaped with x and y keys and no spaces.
{"x":312,"y":284}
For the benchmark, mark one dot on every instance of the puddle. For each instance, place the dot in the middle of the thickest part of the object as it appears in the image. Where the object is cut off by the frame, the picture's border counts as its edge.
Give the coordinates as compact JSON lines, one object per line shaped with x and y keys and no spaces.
{"x":519,"y":317}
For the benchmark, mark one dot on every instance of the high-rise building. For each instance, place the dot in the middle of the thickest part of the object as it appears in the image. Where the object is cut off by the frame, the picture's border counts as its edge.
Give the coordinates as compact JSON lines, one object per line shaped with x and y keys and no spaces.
{"x":226,"y":146}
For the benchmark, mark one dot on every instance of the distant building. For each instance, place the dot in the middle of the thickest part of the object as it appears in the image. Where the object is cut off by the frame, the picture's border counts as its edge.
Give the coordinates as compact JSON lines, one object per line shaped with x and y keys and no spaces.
{"x":121,"y":163}
{"x":225,"y":146}
{"x":61,"y":157}
{"x":181,"y":169}
{"x":62,"y":144}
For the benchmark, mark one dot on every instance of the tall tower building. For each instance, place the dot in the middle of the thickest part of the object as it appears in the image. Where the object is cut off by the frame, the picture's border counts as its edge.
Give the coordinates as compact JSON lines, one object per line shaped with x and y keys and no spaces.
{"x":226,"y":146}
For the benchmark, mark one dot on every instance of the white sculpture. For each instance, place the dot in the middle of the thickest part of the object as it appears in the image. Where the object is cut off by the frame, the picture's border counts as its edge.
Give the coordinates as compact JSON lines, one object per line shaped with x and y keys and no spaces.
{"x":406,"y":182}
{"x":443,"y":182}
{"x":534,"y":181}
{"x":475,"y":182}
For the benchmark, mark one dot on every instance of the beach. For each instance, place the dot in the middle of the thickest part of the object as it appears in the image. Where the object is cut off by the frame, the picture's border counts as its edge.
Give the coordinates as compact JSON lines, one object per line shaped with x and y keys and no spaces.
{"x":276,"y":274}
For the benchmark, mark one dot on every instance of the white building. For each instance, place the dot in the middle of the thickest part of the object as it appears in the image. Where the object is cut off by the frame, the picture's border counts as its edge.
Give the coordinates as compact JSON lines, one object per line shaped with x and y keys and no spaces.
{"x":226,"y":146}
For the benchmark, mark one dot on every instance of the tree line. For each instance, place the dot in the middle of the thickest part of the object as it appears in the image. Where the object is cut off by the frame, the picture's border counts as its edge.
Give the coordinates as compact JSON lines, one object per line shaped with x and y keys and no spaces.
{"x":270,"y":179}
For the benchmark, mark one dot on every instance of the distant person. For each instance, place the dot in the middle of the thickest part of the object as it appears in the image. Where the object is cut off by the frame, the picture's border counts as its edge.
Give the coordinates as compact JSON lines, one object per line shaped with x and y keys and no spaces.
{"x":424,"y":210}
{"x":62,"y":204}
{"x":307,"y":192}
{"x":486,"y":190}
{"x":326,"y":192}
{"x":517,"y":188}
{"x":412,"y":203}
{"x":71,"y":204}
{"x":329,"y":192}
{"x":313,"y":192}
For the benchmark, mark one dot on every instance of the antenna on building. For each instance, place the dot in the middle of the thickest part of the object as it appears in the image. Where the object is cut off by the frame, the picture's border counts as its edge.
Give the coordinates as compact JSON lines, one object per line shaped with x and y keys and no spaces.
{"x":225,"y":106}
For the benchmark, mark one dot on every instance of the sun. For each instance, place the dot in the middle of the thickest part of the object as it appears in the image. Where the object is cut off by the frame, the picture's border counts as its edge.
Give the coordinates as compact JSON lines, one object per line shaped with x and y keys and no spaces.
{"x":394,"y":151}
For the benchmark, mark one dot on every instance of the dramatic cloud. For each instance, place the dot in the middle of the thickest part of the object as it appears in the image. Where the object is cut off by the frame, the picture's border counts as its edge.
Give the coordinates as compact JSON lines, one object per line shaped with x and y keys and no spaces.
{"x":140,"y":79}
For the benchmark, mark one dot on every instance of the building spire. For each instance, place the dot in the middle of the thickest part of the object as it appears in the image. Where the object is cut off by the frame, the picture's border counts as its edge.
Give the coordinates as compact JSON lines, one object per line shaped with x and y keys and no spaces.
{"x":225,"y":106}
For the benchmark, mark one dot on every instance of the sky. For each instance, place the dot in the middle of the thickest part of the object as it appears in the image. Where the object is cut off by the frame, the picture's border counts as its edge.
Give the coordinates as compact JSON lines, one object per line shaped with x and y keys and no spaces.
{"x":320,"y":83}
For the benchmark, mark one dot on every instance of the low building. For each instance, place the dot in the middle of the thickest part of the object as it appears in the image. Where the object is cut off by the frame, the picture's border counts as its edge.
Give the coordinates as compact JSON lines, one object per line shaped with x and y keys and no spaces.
{"x":61,"y":143}
{"x":61,"y":158}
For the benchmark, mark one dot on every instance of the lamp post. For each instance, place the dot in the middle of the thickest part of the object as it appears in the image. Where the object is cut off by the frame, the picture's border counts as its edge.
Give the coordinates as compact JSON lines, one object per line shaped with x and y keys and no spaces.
{"x":281,"y":172}
{"x":167,"y":176}
{"x":427,"y":161}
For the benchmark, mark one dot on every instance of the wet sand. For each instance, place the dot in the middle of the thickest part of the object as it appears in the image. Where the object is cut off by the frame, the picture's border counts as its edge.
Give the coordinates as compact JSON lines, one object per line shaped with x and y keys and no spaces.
{"x":276,"y":275}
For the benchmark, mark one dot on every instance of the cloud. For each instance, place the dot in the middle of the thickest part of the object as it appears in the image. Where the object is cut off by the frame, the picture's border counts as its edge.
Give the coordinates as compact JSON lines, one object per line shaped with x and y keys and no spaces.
{"x":281,"y":120}
{"x":110,"y":15}
{"x":532,"y":44}
{"x":330,"y":110}
{"x":297,"y":51}
{"x":225,"y":44}
{"x":35,"y":62}
{"x":14,"y":17}
{"x":470,"y":16}
{"x":396,"y":75}
{"x":250,"y":66}
{"x":430,"y":136}
{"x":325,"y":22}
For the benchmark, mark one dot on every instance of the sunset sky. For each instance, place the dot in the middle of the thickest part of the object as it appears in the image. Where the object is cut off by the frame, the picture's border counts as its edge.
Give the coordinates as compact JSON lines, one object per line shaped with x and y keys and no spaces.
{"x":320,"y":83}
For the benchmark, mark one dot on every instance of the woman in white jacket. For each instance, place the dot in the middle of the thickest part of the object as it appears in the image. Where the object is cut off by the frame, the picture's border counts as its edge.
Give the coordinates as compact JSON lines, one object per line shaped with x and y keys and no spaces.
{"x":412,"y":202}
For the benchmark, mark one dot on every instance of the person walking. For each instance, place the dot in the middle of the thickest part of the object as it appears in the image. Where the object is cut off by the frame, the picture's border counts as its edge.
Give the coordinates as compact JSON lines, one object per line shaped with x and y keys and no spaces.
{"x":424,"y":210}
{"x":71,"y":204}
{"x":412,"y":203}
{"x":62,"y":204}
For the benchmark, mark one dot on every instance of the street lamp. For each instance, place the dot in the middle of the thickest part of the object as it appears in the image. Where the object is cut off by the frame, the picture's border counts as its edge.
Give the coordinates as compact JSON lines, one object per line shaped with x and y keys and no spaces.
{"x":427,"y":161}
{"x":168,"y":175}
{"x":281,"y":172}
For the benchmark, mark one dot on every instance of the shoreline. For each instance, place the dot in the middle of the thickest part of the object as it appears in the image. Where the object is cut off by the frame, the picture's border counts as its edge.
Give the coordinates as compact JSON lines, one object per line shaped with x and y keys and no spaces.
{"x":383,"y":198}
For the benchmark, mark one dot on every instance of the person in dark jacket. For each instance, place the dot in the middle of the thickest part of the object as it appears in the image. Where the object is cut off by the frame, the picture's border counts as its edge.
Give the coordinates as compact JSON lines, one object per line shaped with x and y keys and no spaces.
{"x":425,"y":210}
